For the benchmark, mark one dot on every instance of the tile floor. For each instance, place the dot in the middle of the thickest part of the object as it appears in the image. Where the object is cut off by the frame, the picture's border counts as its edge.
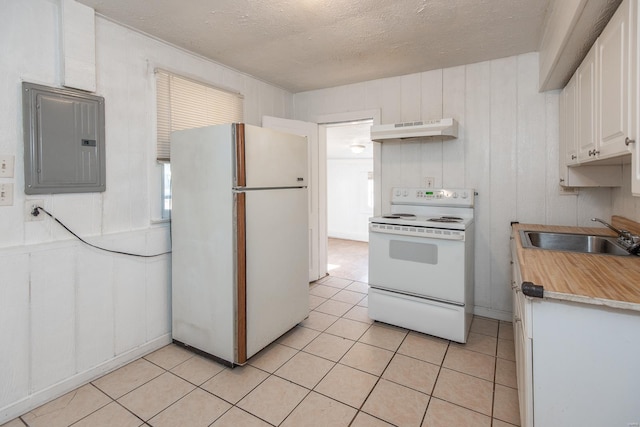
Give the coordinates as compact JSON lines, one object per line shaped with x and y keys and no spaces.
{"x":337,"y":368}
{"x":348,"y":259}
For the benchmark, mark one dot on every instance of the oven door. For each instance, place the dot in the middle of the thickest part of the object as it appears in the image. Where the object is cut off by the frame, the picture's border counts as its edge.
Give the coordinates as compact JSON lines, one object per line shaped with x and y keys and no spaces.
{"x":428,"y":267}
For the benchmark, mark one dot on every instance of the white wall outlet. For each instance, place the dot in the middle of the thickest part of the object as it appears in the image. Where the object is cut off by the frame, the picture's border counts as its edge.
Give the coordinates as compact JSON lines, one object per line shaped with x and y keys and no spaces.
{"x":29,"y":206}
{"x":6,"y":194}
{"x":6,"y":166}
{"x":429,"y":182}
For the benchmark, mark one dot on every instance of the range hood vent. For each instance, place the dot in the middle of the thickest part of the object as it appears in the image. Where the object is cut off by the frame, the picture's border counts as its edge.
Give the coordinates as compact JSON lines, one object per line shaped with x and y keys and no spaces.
{"x":444,"y":128}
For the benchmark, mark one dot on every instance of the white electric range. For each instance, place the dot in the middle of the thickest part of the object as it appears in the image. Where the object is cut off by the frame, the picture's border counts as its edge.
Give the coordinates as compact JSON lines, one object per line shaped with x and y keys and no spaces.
{"x":421,"y":262}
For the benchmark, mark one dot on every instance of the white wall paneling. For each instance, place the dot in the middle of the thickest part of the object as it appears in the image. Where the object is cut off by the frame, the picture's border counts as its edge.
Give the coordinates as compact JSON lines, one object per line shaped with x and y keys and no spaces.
{"x":453,"y":105}
{"x":78,"y":45}
{"x":478,"y":172}
{"x":506,"y":131}
{"x":87,"y":312}
{"x":503,"y":174}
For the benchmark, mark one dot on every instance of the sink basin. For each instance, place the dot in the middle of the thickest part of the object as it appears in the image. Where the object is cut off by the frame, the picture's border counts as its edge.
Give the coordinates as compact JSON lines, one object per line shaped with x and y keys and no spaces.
{"x":584,"y":243}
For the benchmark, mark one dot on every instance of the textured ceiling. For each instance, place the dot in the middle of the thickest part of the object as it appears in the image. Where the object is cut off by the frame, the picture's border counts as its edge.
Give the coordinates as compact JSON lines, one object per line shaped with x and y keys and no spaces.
{"x":302,"y":45}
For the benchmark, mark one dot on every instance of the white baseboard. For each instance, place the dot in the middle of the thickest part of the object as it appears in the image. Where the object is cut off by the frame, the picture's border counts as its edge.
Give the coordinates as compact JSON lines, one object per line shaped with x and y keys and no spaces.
{"x":506,"y":316}
{"x":41,"y":397}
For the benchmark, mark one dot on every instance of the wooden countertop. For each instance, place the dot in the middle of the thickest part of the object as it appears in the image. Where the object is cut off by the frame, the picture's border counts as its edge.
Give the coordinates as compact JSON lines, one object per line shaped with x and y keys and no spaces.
{"x":608,"y":280}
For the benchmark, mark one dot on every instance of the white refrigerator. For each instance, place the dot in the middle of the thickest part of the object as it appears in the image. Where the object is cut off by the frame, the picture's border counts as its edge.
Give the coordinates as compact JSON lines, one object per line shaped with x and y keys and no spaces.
{"x":239,"y":230}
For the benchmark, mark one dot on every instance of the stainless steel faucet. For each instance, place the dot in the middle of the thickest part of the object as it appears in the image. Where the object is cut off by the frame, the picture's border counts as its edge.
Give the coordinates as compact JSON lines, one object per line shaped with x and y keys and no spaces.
{"x":611,"y":227}
{"x":631,"y":242}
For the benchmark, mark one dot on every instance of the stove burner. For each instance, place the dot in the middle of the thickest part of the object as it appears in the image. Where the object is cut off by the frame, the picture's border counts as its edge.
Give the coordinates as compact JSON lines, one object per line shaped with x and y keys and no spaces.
{"x":400,"y":215}
{"x":449,"y":219}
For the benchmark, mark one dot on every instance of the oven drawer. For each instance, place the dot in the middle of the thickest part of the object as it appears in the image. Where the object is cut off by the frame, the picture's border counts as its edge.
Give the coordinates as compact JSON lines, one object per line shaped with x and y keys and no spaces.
{"x":443,"y":320}
{"x":430,"y":267}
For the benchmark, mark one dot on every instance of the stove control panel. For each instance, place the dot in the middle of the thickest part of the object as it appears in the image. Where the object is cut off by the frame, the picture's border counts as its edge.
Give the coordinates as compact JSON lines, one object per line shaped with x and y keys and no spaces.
{"x":463,"y":197}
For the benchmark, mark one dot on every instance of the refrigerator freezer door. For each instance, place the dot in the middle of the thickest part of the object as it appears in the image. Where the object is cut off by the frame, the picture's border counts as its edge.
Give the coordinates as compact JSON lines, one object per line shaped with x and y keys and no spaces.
{"x":277,"y":259}
{"x":274,"y":159}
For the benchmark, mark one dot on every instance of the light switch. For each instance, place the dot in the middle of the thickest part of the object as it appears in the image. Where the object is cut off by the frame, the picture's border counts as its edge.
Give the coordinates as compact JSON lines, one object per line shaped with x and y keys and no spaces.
{"x":6,"y":166}
{"x":6,"y":194}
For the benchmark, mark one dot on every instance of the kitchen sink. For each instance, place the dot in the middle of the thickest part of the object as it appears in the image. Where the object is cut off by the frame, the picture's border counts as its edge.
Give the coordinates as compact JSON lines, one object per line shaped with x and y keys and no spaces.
{"x":570,"y":242}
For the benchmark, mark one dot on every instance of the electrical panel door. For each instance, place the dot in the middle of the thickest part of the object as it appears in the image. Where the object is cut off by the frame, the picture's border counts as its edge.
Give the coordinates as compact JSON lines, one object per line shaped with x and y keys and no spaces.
{"x":64,"y":140}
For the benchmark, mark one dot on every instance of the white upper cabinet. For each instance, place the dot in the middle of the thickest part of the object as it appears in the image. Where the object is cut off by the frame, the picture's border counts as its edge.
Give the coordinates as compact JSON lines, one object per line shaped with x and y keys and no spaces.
{"x":614,"y":85}
{"x":598,"y":124}
{"x":586,"y":99}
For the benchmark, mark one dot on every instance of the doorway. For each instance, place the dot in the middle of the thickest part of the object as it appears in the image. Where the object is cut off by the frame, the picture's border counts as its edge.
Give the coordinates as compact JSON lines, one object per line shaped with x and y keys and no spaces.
{"x":350,"y":198}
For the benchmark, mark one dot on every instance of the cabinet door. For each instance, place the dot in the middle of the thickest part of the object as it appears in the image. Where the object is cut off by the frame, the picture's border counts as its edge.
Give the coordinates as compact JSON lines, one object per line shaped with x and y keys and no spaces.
{"x":568,"y":152}
{"x":586,"y":101}
{"x":613,"y":84}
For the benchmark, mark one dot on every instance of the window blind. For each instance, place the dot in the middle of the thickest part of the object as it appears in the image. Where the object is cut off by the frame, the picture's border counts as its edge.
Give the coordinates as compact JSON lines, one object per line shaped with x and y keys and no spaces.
{"x":183,"y":103}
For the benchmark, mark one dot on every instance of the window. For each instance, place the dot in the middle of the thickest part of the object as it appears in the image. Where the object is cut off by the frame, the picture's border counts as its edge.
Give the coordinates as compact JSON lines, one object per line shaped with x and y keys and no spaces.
{"x":183,"y":103}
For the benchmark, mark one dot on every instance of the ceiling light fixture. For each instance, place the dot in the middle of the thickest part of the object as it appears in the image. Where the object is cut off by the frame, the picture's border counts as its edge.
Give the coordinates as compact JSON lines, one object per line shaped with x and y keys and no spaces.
{"x":357,"y":148}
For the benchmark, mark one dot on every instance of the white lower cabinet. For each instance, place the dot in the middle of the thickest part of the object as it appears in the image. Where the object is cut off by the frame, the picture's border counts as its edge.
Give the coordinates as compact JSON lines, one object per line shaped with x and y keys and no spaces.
{"x":577,"y":364}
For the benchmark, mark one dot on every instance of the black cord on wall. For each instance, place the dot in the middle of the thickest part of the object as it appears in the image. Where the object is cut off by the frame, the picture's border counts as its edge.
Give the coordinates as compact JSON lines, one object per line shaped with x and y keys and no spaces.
{"x":36,"y":211}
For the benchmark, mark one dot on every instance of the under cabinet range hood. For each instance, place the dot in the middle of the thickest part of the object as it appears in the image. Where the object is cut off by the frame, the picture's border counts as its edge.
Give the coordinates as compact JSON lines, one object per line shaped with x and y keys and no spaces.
{"x":444,"y":128}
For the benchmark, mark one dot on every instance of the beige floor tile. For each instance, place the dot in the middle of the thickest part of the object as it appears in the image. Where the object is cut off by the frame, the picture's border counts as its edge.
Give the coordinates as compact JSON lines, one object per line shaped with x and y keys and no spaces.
{"x":329,"y":346}
{"x":196,"y":409}
{"x":348,"y":328}
{"x":464,"y":390}
{"x":68,"y":408}
{"x":506,"y":350}
{"x":365,"y":420}
{"x":298,"y":337}
{"x":111,"y":415}
{"x":305,"y":369}
{"x":320,"y":411}
{"x":16,"y":422}
{"x":484,"y":326}
{"x":412,"y":373}
{"x":315,"y":301}
{"x":364,"y":302}
{"x":273,"y":400}
{"x":361,"y":314}
{"x":506,"y":373}
{"x":236,"y":417}
{"x":335,"y":308}
{"x":384,"y":336}
{"x":396,"y":404}
{"x":156,"y":395}
{"x":336,"y":282}
{"x":197,"y":369}
{"x":130,"y":376}
{"x":445,"y":414}
{"x":350,"y":297}
{"x":506,"y":331}
{"x":367,"y":358}
{"x":470,"y":362}
{"x":234,"y":384}
{"x":347,"y":385}
{"x":499,"y":423}
{"x":505,"y":405}
{"x":480,"y":343}
{"x":361,"y":287}
{"x":424,"y":347}
{"x":170,"y":356}
{"x":272,"y":357}
{"x":318,"y":321}
{"x":323,"y":291}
